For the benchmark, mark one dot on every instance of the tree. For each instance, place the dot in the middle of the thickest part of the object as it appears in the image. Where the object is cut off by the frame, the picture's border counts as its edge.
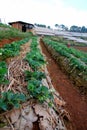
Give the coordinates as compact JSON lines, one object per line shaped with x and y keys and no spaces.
{"x":64,"y":27}
{"x":40,"y":25}
{"x":56,"y":25}
{"x":83,"y":29}
{"x":61,"y":27}
{"x":48,"y":27}
{"x":74,"y":28}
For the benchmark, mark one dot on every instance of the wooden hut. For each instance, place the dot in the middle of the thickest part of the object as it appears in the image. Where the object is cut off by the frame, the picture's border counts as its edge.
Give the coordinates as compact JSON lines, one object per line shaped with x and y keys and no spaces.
{"x":23,"y":26}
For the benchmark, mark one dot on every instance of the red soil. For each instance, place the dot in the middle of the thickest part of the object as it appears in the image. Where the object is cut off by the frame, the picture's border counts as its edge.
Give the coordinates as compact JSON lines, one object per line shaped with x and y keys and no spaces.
{"x":7,"y":41}
{"x":81,"y":48}
{"x":76,"y":105}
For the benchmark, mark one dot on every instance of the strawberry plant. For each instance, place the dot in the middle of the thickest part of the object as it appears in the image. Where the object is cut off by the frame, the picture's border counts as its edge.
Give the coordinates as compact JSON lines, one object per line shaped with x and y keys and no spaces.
{"x":76,"y":58}
{"x":3,"y":73}
{"x":10,"y":50}
{"x":9,"y":100}
{"x":34,"y":57}
{"x":35,"y":87}
{"x":38,"y":91}
{"x":34,"y":75}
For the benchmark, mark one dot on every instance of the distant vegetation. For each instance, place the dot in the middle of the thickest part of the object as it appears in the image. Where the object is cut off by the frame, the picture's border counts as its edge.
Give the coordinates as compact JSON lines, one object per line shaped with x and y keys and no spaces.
{"x":73,"y":28}
{"x":61,"y":27}
{"x":42,"y":25}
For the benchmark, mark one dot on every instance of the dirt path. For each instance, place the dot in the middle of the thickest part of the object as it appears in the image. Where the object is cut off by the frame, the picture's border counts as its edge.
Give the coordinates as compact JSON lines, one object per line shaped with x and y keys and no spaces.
{"x":75,"y":104}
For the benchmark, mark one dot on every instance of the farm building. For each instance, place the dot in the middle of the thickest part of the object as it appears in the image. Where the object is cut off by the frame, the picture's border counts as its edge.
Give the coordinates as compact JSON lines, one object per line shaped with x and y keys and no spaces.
{"x":22,"y":26}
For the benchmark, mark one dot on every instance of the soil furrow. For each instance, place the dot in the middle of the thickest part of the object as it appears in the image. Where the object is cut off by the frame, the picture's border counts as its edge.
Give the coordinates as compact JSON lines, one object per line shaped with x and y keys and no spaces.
{"x":75,"y":103}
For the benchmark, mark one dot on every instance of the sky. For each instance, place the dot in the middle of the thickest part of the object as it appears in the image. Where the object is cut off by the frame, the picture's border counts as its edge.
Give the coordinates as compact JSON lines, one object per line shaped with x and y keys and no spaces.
{"x":48,"y":12}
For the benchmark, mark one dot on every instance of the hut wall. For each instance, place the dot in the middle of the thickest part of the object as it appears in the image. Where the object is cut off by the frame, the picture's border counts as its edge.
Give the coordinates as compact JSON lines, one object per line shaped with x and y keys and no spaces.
{"x":17,"y":26}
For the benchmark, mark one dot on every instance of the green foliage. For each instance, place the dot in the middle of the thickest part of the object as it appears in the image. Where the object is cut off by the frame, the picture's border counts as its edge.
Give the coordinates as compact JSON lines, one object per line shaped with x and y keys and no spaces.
{"x":7,"y":32}
{"x":4,"y":25}
{"x":75,"y":28}
{"x":35,"y":88}
{"x":76,"y":57}
{"x":10,"y":50}
{"x":62,"y":40}
{"x":34,"y":75}
{"x":3,"y":72}
{"x":34,"y":57}
{"x":40,"y":25}
{"x":38,"y":91}
{"x":10,"y":100}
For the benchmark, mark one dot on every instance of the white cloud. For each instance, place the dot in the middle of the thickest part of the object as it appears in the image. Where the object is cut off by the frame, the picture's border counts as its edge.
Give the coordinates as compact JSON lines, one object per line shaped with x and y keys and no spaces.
{"x":47,"y":12}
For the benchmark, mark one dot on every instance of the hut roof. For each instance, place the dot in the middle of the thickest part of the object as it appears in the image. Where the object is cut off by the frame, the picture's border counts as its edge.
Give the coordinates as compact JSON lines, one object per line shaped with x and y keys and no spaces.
{"x":21,"y":22}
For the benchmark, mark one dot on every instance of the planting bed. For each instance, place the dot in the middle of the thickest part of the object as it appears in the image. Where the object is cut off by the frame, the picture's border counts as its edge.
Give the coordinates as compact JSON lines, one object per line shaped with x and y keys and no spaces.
{"x":25,"y":77}
{"x":75,"y":102}
{"x":27,"y":97}
{"x":73,"y":62}
{"x":79,"y":46}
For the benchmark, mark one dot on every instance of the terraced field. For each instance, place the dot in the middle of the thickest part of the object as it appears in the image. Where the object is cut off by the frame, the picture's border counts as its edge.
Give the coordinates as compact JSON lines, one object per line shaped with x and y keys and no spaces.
{"x":43,"y":83}
{"x":28,"y":99}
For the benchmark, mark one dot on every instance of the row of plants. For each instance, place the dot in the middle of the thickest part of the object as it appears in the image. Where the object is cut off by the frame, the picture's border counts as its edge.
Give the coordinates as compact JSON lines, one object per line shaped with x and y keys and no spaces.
{"x":8,"y":99}
{"x":69,"y":63}
{"x":13,"y":49}
{"x":75,"y":57}
{"x":9,"y":50}
{"x":71,"y":50}
{"x":34,"y":57}
{"x":35,"y":87}
{"x":77,"y":53}
{"x":65,"y":41}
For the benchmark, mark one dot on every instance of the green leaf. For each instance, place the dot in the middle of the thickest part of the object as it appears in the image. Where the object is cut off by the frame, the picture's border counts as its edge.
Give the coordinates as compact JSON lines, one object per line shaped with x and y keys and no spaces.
{"x":3,"y":106}
{"x":22,"y":97}
{"x":9,"y":100}
{"x":16,"y":105}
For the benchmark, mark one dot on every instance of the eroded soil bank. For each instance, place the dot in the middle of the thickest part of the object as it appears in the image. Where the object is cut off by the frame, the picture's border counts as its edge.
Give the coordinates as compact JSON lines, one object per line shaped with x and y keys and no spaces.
{"x":7,"y":41}
{"x":75,"y":103}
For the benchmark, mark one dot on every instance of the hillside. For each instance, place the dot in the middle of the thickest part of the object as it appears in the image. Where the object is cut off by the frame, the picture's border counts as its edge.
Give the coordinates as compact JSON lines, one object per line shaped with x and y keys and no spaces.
{"x":28,"y":100}
{"x":9,"y":34}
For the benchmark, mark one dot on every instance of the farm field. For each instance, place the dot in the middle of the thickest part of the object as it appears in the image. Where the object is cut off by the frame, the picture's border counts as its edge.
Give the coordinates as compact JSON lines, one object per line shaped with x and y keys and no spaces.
{"x":75,"y":103}
{"x":35,"y":91}
{"x":27,"y":97}
{"x":72,"y":61}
